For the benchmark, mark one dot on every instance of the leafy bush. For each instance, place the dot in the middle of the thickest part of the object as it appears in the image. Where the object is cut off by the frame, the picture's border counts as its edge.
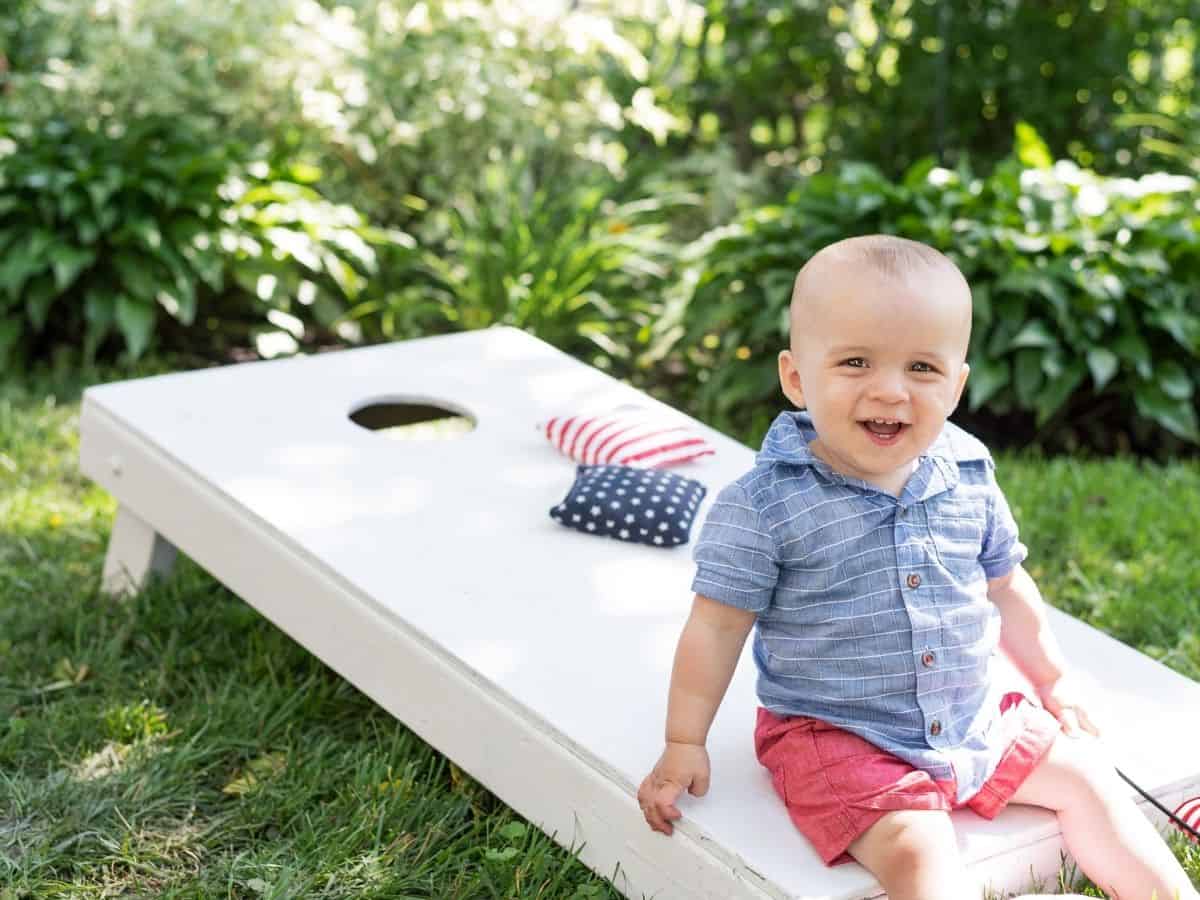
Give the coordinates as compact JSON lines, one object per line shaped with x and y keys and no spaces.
{"x":105,"y":229}
{"x":132,"y":59}
{"x":412,"y":101}
{"x":891,"y":81}
{"x":561,"y":257}
{"x":1087,"y":326}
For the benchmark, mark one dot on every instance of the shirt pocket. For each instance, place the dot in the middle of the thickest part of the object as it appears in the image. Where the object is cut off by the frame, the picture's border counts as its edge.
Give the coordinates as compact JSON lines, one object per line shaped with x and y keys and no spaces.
{"x":958,"y":541}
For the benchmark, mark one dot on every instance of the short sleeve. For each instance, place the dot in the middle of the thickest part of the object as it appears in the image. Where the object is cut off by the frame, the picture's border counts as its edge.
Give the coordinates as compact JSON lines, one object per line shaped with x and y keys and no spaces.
{"x":1002,"y":548}
{"x":735,"y":556}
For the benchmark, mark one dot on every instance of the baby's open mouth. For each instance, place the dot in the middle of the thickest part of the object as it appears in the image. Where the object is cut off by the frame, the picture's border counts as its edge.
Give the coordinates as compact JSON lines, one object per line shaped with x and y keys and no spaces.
{"x":884,"y":431}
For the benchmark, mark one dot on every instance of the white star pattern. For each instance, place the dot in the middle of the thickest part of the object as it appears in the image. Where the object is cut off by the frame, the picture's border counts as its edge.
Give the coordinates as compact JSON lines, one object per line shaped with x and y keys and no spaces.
{"x":666,"y":525}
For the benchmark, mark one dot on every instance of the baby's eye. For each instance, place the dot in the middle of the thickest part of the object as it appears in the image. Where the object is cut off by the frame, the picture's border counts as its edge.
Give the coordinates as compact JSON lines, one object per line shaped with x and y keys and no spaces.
{"x":855,"y":362}
{"x":923,"y":367}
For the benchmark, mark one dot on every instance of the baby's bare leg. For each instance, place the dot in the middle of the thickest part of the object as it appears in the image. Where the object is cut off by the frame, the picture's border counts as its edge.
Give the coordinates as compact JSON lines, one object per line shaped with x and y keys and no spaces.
{"x":1114,"y":843}
{"x":914,"y":854}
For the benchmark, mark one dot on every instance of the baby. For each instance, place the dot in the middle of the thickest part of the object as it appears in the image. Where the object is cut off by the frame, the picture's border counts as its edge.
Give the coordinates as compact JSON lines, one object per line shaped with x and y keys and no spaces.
{"x":878,"y":557}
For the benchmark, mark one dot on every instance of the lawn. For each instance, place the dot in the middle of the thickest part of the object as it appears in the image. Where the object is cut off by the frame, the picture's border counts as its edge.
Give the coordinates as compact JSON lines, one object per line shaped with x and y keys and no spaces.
{"x":179,"y":745}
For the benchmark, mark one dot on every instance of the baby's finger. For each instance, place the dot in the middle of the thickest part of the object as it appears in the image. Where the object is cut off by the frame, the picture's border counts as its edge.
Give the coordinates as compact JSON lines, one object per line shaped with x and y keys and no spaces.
{"x":1085,"y":721}
{"x":645,"y":791}
{"x":655,"y":820}
{"x":1069,"y":720}
{"x":665,"y":795}
{"x":659,"y":816}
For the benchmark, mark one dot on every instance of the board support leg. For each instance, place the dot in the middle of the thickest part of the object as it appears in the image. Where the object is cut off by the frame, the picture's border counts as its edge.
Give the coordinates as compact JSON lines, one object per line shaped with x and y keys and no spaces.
{"x":135,"y":552}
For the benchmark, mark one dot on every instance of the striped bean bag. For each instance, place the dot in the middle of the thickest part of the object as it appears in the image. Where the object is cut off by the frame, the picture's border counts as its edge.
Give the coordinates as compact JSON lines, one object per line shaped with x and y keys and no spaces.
{"x":627,"y":436}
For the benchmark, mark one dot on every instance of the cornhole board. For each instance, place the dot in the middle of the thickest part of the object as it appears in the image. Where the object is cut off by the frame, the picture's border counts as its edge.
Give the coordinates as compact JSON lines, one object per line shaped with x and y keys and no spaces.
{"x":429,"y":574}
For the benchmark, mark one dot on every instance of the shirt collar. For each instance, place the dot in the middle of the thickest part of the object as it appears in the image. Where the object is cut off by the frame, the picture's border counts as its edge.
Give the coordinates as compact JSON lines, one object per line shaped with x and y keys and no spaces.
{"x":787,"y":441}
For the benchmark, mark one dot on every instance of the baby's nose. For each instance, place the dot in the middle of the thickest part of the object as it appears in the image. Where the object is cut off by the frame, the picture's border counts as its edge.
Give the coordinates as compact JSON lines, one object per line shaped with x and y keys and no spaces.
{"x":888,"y":388}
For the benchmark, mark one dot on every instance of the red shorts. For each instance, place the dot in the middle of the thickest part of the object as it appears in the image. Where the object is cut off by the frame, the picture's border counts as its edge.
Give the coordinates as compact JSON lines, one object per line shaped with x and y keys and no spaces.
{"x":837,"y":785}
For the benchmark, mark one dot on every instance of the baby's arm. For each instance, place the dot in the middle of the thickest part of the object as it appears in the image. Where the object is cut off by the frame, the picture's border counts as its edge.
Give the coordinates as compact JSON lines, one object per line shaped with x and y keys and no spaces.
{"x":1025,"y":635}
{"x":705,"y":658}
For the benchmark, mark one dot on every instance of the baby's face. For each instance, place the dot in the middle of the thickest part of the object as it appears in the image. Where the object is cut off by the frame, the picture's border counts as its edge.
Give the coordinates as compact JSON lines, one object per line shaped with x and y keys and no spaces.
{"x":878,"y":361}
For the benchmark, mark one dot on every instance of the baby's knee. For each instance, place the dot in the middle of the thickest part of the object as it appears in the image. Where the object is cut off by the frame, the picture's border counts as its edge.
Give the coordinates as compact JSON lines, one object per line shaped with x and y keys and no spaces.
{"x":914,"y":853}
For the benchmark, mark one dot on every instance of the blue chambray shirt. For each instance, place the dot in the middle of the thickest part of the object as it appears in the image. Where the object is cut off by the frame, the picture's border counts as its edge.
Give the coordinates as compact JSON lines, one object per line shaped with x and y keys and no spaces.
{"x":872,"y":609}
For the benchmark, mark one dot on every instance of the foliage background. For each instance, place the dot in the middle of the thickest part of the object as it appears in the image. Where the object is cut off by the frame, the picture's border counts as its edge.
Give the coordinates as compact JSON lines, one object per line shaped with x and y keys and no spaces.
{"x":636,"y":181}
{"x":631,"y":181}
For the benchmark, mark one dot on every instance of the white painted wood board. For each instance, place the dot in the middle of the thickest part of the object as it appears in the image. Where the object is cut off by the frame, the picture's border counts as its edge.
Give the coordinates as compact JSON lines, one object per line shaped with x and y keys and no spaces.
{"x":430,"y":575}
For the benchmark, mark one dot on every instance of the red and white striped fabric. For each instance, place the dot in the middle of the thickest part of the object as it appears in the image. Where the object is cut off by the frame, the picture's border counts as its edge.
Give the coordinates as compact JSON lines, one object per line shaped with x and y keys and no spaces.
{"x":1189,"y":813}
{"x":627,"y":437}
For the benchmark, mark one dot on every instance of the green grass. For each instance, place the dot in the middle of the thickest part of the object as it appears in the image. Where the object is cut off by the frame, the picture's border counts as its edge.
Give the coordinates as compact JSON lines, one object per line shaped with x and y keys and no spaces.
{"x":178,"y":745}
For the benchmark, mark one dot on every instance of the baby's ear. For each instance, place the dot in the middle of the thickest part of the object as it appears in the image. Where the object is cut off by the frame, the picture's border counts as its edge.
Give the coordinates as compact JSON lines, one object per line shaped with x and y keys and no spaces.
{"x":789,"y":379}
{"x":962,"y":383}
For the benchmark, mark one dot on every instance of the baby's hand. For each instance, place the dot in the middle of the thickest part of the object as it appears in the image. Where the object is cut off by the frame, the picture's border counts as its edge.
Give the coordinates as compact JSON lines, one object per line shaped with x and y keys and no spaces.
{"x":1061,"y":698}
{"x":681,"y":766}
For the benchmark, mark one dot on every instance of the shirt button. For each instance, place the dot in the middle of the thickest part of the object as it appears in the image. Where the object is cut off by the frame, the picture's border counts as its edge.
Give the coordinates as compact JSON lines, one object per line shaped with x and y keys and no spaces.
{"x":935,"y":727}
{"x":914,"y":580}
{"x":927,"y":658}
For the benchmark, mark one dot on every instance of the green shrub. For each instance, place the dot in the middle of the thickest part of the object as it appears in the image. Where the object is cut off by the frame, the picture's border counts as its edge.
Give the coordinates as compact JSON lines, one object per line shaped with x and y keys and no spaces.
{"x":559,"y":256}
{"x":891,"y":81}
{"x":107,"y":230}
{"x":1087,"y":322}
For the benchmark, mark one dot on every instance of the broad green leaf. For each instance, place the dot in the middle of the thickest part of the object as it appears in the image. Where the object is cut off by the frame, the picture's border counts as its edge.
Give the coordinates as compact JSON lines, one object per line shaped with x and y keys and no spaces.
{"x":304,"y":173}
{"x":1177,"y":416}
{"x":1031,"y":149}
{"x":1182,"y":326}
{"x":1174,"y":380}
{"x":502,"y":856}
{"x":513,"y":831}
{"x":68,"y":262}
{"x":1034,"y":334}
{"x":39,"y":295}
{"x":987,"y":377}
{"x":135,"y":319}
{"x":98,"y":311}
{"x":1028,"y":376}
{"x":1056,"y":392}
{"x":138,"y":276}
{"x":981,"y":300}
{"x":24,"y":260}
{"x":1132,"y":348}
{"x":99,"y":308}
{"x":1103,"y":363}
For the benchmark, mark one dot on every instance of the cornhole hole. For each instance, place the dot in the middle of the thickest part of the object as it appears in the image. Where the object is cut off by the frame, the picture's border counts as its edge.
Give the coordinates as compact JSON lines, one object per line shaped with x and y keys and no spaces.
{"x":428,"y":573}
